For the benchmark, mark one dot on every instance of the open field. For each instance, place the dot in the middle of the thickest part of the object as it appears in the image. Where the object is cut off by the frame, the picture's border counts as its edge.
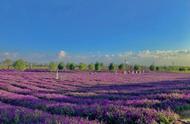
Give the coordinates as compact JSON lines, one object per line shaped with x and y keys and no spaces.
{"x":81,"y":97}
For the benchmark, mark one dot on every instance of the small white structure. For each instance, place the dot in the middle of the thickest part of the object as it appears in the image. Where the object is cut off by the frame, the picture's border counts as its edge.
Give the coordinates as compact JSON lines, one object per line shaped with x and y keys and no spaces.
{"x":57,"y":75}
{"x":124,"y":72}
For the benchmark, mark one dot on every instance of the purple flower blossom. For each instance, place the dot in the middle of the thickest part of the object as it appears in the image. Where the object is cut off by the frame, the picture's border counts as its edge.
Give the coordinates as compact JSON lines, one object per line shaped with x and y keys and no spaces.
{"x":81,"y":97}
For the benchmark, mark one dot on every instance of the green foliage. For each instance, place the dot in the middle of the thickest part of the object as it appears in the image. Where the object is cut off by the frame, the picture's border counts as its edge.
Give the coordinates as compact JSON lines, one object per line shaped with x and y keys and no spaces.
{"x":112,"y":67}
{"x":173,"y":68}
{"x":163,"y":119}
{"x":136,"y":67}
{"x":61,"y":66}
{"x":167,"y":118}
{"x":82,"y":66}
{"x":182,"y":69}
{"x":182,"y":108}
{"x":121,"y":67}
{"x":103,"y":66}
{"x":91,"y":67}
{"x":7,"y":63}
{"x":53,"y":66}
{"x":157,"y":68}
{"x":70,"y":66}
{"x":152,"y":67}
{"x":98,"y":66}
{"x":129,"y":67}
{"x":20,"y":65}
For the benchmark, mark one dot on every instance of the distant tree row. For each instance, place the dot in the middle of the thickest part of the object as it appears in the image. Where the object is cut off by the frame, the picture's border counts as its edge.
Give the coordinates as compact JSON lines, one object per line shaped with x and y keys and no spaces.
{"x":114,"y":67}
{"x":18,"y":64}
{"x":96,"y":67}
{"x":54,"y":66}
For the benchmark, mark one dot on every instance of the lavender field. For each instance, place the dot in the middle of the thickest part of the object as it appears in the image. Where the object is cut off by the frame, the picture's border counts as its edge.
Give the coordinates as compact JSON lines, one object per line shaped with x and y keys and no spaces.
{"x":92,"y":98}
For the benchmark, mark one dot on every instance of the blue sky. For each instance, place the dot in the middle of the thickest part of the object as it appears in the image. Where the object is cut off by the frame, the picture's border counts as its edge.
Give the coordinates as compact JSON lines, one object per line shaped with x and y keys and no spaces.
{"x":92,"y":26}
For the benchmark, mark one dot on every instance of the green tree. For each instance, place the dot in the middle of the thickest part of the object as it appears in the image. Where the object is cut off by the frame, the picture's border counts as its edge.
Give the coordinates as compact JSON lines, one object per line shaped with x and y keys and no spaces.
{"x":122,"y":67}
{"x":182,"y":69}
{"x":157,"y":68}
{"x":70,"y":66}
{"x":7,"y":63}
{"x":91,"y":67}
{"x":53,"y":66}
{"x":136,"y":67}
{"x":152,"y":67}
{"x":112,"y":67}
{"x":103,"y":66}
{"x":20,"y":65}
{"x":98,"y":66}
{"x":82,"y":66}
{"x":61,"y":66}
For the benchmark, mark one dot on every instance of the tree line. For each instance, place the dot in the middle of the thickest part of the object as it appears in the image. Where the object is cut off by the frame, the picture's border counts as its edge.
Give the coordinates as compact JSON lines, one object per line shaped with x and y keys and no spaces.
{"x":98,"y":66}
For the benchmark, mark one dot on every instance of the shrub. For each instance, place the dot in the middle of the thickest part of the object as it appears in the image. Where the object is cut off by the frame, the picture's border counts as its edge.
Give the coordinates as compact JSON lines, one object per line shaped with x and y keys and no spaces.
{"x":82,"y":66}
{"x":20,"y":65}
{"x":136,"y":67}
{"x":61,"y":66}
{"x":98,"y":66}
{"x":71,"y":66}
{"x":167,"y":117}
{"x":112,"y":67}
{"x":182,"y":69}
{"x":91,"y":67}
{"x":152,"y":67}
{"x":182,"y":108}
{"x":157,"y":68}
{"x":7,"y":63}
{"x":52,"y":66}
{"x":102,"y":65}
{"x":122,"y":67}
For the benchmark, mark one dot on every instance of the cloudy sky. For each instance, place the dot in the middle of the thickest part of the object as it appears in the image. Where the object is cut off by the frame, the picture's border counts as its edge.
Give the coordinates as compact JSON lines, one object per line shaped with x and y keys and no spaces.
{"x":146,"y":57}
{"x":143,"y":31}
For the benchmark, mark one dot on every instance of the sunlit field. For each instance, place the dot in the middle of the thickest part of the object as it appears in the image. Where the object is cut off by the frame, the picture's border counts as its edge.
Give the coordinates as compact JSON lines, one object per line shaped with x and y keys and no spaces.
{"x":94,"y":61}
{"x":92,"y":98}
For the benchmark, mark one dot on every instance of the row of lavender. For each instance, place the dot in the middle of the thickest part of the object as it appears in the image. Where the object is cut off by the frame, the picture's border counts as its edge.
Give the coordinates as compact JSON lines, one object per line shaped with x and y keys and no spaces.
{"x":83,"y":97}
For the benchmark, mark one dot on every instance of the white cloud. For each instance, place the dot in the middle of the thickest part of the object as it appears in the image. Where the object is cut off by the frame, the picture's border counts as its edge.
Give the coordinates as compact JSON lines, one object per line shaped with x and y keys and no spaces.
{"x":160,"y":57}
{"x":8,"y":55}
{"x":146,"y":57}
{"x":61,"y":54}
{"x":107,"y":56}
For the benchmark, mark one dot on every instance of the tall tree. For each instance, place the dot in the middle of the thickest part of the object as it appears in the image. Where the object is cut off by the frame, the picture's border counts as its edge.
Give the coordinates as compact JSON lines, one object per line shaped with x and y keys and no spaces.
{"x":98,"y":66}
{"x":122,"y":67}
{"x":7,"y":63}
{"x":82,"y":66}
{"x":91,"y":67}
{"x":61,"y":66}
{"x":152,"y":67}
{"x":20,"y":65}
{"x":53,"y":66}
{"x":112,"y":67}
